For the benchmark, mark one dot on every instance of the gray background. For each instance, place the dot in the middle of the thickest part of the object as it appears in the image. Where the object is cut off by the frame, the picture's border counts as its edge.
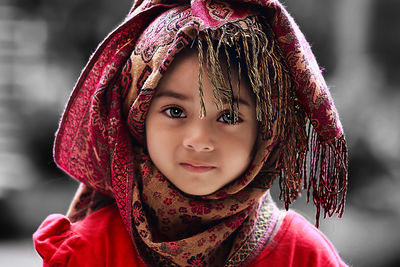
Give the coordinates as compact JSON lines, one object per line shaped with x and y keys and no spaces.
{"x":44,"y":44}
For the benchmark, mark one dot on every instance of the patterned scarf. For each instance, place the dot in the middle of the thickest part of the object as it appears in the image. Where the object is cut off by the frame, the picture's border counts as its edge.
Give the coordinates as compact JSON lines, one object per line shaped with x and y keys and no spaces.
{"x":100,"y":141}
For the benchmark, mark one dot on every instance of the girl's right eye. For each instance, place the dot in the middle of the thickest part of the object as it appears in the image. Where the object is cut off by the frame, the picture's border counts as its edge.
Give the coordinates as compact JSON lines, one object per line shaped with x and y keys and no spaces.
{"x":175,"y":112}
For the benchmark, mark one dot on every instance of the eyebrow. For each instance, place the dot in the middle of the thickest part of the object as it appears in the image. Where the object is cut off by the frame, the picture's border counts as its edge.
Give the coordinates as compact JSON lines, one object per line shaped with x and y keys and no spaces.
{"x":172,"y":94}
{"x":241,"y":101}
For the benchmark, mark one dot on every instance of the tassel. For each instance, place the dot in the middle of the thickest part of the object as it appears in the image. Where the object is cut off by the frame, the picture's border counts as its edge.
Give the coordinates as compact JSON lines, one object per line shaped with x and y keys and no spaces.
{"x":201,"y":93}
{"x":328,"y":164}
{"x":242,"y":40}
{"x":304,"y":158}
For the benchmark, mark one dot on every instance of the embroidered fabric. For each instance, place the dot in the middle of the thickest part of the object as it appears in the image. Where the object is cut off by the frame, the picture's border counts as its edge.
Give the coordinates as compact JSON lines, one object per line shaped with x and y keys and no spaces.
{"x":100,"y":141}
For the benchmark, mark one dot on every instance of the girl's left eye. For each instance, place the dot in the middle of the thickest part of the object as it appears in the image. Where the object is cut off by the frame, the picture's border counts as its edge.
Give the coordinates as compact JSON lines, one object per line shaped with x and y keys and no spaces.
{"x":227,"y":118}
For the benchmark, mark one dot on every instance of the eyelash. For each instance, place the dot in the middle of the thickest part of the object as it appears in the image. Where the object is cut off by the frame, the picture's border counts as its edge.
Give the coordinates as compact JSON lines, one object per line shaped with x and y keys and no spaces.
{"x":167,"y":111}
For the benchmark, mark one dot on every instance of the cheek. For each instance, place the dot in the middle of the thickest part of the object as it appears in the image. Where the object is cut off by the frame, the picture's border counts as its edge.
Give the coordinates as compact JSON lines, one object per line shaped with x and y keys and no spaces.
{"x":152,"y":139}
{"x":242,"y":138}
{"x":160,"y":138}
{"x":251,"y":136}
{"x":238,"y":147}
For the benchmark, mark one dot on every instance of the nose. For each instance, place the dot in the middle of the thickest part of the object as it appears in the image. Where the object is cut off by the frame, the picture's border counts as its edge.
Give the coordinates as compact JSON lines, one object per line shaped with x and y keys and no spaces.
{"x":199,"y":136}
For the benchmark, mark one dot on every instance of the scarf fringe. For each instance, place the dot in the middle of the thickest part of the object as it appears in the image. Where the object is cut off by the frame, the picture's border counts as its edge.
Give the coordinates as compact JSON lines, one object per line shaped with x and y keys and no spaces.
{"x":323,"y":168}
{"x":243,"y":43}
{"x":328,"y":162}
{"x":304,"y":158}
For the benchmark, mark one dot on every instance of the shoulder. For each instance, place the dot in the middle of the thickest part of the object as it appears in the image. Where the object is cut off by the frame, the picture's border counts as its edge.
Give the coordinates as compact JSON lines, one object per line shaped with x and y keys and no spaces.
{"x":99,"y":239}
{"x":299,"y":243}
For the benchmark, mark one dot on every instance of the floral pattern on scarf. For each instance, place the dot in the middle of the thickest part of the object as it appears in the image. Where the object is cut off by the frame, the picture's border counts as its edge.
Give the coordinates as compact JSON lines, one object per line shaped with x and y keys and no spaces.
{"x":94,"y":143}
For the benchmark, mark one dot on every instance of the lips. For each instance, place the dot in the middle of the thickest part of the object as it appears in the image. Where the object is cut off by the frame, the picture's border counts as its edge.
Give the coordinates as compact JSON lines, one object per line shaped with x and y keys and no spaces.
{"x":197,"y":167}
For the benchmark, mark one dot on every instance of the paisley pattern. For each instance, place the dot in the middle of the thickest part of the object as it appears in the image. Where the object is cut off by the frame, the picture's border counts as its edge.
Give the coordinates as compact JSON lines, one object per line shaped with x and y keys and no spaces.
{"x":219,"y":11}
{"x":161,"y":32}
{"x":108,"y":107}
{"x":268,"y":217}
{"x":126,"y":78}
{"x":143,"y":77}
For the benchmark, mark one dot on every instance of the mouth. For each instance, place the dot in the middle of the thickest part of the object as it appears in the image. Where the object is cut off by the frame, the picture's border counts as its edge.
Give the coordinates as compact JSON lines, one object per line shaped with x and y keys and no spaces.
{"x":197,"y":167}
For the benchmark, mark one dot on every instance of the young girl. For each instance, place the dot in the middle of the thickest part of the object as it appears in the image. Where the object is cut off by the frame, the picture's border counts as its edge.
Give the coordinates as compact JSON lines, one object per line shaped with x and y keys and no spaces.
{"x":176,"y":129}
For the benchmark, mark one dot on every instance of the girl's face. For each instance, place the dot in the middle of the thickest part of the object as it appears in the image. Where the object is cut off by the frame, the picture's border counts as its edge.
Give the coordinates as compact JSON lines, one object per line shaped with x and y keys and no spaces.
{"x":199,"y":156}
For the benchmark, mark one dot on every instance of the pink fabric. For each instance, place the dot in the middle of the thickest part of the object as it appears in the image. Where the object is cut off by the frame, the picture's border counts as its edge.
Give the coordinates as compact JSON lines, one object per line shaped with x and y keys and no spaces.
{"x":93,"y":145}
{"x":298,"y":244}
{"x":102,"y":240}
{"x":99,"y":240}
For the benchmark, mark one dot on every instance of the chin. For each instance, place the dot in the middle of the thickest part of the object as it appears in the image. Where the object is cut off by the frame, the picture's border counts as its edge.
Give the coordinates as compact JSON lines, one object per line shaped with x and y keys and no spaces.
{"x":197,"y":192}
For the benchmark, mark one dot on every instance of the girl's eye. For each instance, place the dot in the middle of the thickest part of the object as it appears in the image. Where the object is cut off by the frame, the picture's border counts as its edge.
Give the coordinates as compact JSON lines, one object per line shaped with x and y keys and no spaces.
{"x":226,"y":118}
{"x":175,"y":112}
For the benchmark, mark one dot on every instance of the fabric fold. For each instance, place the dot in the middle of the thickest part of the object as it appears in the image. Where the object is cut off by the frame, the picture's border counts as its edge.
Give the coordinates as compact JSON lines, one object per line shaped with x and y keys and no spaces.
{"x":101,"y":137}
{"x":54,"y":239}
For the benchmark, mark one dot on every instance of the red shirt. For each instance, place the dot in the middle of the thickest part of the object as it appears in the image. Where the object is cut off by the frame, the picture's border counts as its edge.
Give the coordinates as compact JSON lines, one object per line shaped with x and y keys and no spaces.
{"x":102,"y":240}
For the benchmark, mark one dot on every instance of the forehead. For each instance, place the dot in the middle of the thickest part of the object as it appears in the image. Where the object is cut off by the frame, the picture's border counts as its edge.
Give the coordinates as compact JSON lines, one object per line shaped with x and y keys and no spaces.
{"x":183,"y":74}
{"x":184,"y":65}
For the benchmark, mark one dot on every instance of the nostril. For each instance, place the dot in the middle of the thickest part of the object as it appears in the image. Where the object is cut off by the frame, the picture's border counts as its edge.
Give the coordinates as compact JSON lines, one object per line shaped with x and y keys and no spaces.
{"x":198,"y":146}
{"x":199,"y":137}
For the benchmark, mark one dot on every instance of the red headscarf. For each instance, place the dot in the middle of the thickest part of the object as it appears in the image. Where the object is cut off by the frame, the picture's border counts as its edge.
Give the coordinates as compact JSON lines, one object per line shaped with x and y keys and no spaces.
{"x":94,"y":142}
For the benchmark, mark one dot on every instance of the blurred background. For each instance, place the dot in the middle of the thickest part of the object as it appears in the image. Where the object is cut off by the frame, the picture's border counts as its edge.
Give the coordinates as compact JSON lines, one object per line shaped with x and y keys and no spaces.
{"x":44,"y":44}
